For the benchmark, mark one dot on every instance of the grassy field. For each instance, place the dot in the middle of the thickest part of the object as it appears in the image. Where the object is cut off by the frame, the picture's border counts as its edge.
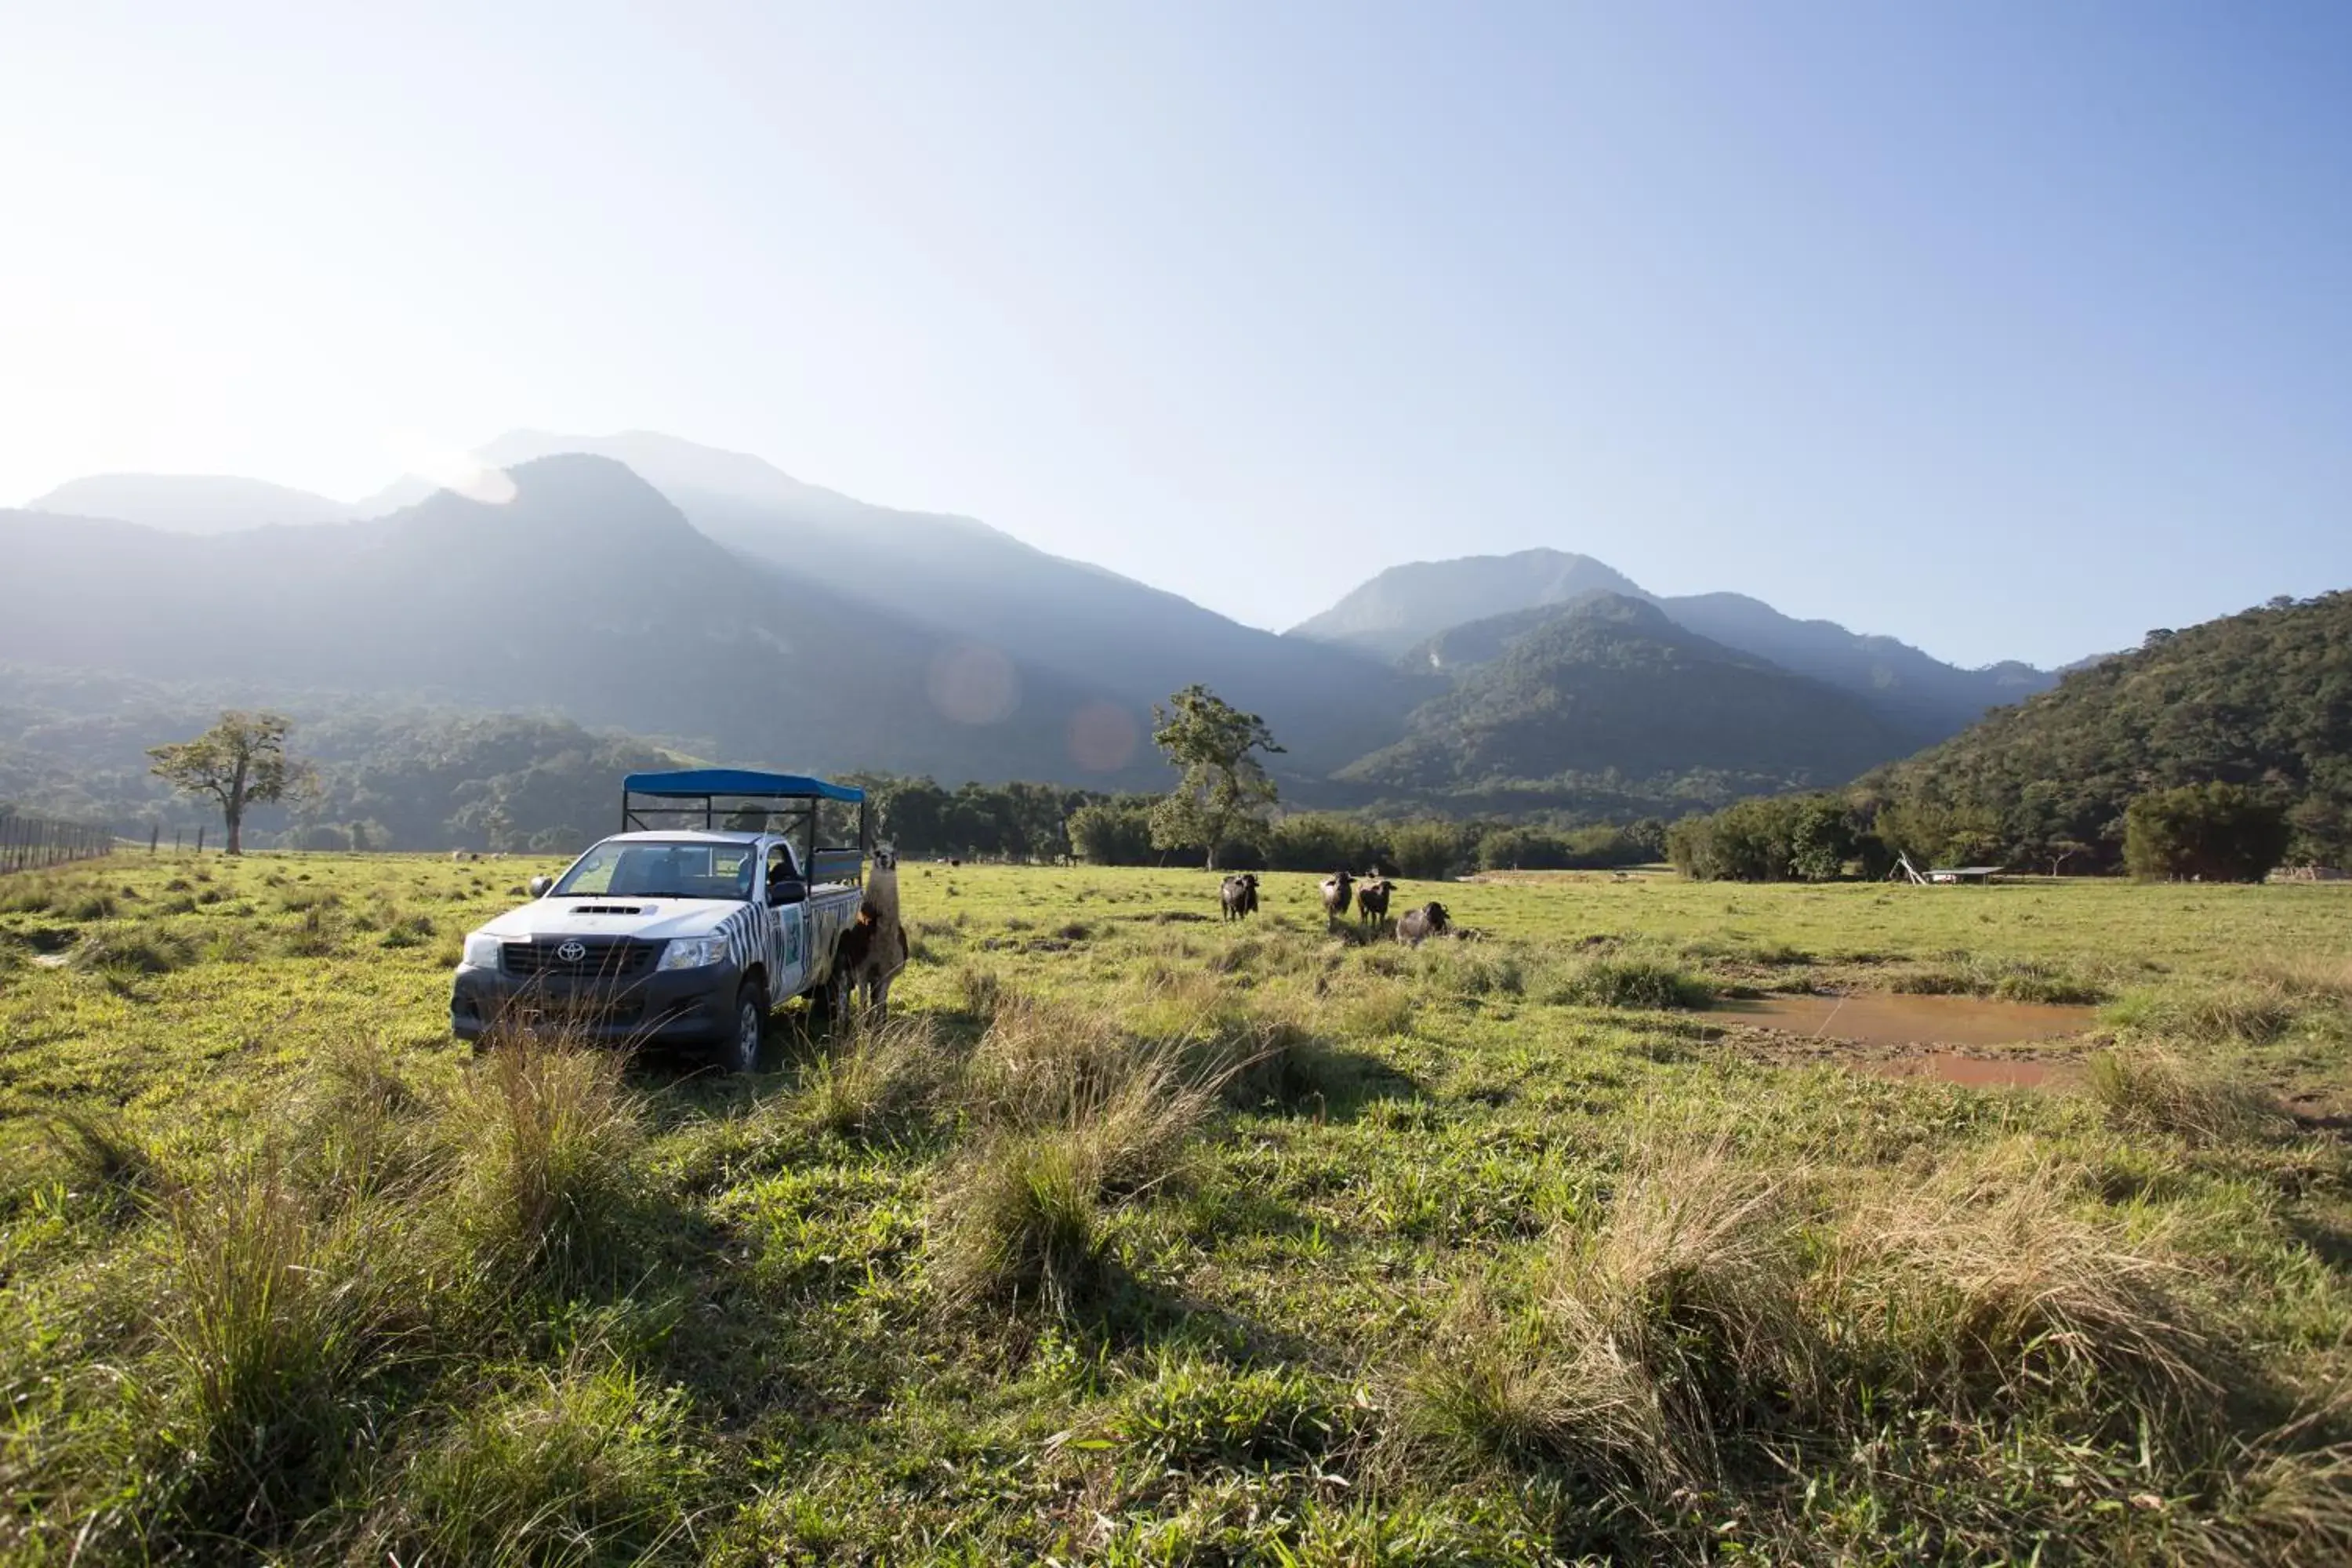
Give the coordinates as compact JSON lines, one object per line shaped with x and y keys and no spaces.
{"x":1136,"y":1237}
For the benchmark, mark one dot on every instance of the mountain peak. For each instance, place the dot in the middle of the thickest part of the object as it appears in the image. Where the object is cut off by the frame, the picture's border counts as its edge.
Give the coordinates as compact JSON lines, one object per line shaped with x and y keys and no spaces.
{"x":1407,"y":603}
{"x":190,"y":504}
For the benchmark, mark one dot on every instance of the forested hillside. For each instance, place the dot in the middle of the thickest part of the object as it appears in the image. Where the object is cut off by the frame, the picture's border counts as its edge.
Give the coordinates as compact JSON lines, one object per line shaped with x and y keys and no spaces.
{"x":1607,"y":698}
{"x":2262,"y":699}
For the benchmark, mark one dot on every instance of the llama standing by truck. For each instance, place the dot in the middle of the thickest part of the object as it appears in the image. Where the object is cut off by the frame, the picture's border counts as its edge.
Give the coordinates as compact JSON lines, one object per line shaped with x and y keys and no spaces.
{"x":873,"y":949}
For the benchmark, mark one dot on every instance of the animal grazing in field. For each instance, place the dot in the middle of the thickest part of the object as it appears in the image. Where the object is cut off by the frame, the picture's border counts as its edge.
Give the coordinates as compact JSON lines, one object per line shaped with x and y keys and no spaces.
{"x":1239,"y":896}
{"x":1417,"y":926}
{"x":1372,"y":901}
{"x":456,"y":856}
{"x":1337,"y":889}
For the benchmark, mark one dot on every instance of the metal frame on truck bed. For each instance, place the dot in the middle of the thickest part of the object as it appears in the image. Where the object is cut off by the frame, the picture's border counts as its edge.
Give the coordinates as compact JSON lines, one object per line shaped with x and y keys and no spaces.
{"x":700,"y":792}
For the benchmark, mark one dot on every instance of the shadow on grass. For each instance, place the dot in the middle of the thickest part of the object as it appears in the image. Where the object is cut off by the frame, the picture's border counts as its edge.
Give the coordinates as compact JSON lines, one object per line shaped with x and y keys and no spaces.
{"x":1313,"y":1078}
{"x":2331,"y":1244}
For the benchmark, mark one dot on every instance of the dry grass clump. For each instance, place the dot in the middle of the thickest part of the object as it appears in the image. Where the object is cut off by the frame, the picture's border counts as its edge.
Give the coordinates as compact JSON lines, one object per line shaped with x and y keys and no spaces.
{"x":139,"y":950}
{"x":2153,"y":1092}
{"x":1715,"y":1316}
{"x":1989,"y":1290}
{"x":1513,"y":1390}
{"x":545,"y":1130}
{"x":2284,"y":1506}
{"x":1672,"y":1324}
{"x":979,"y":990}
{"x":2322,"y":979}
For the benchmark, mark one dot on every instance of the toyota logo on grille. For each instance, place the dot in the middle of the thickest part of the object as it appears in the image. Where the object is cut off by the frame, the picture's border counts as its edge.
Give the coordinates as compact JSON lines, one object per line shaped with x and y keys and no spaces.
{"x":572,"y":952}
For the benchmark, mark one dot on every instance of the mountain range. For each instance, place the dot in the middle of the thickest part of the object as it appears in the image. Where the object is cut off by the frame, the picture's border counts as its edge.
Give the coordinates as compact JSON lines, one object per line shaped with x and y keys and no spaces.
{"x":709,"y":600}
{"x":1922,"y":697}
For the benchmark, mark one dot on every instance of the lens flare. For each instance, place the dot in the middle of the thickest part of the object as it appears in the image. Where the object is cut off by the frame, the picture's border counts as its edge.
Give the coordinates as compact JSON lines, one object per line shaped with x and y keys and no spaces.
{"x":1103,"y":737}
{"x":972,"y":683}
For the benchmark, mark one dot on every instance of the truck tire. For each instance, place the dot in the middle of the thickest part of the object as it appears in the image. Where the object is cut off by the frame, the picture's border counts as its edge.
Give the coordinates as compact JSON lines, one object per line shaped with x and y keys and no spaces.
{"x":742,"y":1049}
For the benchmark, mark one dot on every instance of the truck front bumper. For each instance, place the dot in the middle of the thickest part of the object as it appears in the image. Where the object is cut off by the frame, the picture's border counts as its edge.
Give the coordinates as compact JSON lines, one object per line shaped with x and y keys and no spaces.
{"x":683,"y":1007}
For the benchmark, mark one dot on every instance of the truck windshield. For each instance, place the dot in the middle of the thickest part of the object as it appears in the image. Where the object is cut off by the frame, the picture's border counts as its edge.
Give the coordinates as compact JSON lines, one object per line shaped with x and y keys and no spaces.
{"x":656,"y":869}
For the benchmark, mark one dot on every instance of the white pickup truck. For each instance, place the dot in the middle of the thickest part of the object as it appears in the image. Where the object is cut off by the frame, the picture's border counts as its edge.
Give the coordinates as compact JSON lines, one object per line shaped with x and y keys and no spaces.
{"x":714,"y":903}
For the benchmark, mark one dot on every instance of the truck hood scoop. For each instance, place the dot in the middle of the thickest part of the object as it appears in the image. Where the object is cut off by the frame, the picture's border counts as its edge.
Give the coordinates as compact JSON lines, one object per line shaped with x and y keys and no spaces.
{"x":609,"y":908}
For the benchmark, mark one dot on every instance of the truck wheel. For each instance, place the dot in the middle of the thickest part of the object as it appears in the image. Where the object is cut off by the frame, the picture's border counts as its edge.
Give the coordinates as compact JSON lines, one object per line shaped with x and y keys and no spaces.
{"x":751,"y":1030}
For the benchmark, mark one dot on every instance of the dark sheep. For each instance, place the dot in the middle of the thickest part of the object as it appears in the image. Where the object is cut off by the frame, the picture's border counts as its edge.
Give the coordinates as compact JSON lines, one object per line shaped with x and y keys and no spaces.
{"x":1338,"y":888}
{"x":1239,"y":896}
{"x":1417,"y":926}
{"x":1373,"y":901}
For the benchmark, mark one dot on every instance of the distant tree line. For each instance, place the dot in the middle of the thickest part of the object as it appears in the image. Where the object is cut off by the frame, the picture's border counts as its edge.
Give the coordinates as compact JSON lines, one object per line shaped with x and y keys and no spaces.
{"x":2214,"y":832}
{"x":1118,"y":832}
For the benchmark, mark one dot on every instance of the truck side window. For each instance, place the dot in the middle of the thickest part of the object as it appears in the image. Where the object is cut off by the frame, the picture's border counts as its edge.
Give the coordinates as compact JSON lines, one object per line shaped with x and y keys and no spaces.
{"x":781,"y":869}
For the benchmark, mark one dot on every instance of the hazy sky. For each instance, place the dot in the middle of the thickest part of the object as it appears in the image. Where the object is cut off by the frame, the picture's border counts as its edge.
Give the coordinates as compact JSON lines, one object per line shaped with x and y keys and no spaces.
{"x":2013,"y":329}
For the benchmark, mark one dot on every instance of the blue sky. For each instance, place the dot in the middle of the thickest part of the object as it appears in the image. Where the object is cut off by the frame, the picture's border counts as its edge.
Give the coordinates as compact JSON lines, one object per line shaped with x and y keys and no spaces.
{"x":2011,"y":329}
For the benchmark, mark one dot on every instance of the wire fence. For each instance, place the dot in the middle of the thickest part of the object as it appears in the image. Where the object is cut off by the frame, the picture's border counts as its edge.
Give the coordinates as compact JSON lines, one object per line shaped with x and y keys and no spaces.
{"x":28,"y":843}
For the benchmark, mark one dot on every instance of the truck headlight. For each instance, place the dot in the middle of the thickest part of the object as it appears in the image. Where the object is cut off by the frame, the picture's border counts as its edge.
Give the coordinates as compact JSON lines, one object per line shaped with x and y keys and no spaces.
{"x":482,"y":949}
{"x":694,"y":952}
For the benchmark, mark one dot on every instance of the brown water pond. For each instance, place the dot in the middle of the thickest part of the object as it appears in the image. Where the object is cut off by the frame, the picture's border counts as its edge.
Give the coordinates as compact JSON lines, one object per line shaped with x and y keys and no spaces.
{"x":1881,"y":1018}
{"x":1948,"y":1039}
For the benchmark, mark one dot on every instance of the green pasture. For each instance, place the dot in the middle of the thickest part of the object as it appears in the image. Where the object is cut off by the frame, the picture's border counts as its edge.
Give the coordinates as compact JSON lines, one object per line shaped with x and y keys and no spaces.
{"x":1136,"y":1237}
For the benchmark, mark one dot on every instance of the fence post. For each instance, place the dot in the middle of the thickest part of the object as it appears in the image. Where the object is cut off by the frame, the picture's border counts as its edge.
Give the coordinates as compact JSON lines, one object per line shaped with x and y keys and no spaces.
{"x":200,"y":838}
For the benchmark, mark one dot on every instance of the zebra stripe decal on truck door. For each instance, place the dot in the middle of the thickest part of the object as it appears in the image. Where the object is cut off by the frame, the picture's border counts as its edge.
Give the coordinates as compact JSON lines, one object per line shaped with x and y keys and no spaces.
{"x":745,"y":948}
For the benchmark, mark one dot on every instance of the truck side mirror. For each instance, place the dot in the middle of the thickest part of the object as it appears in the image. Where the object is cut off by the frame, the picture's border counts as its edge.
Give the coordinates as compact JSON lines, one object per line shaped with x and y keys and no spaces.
{"x":787,"y":892}
{"x":539,"y":886}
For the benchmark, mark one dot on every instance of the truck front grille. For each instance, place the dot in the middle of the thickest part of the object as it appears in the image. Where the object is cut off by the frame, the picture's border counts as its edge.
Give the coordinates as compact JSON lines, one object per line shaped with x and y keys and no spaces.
{"x":599,"y":958}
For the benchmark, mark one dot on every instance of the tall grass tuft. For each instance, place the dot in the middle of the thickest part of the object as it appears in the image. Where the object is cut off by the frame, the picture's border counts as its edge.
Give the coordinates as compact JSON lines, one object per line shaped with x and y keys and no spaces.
{"x":1023,"y":1221}
{"x":880,"y":1078}
{"x":1076,"y":1115}
{"x":361,"y":1128}
{"x":271,"y":1317}
{"x":1514,"y":1391}
{"x":141,"y":950}
{"x":979,"y":990}
{"x":2153,"y":1091}
{"x":2288,"y":1505}
{"x":1631,"y":982}
{"x":546,"y":1134}
{"x":2244,"y":1014}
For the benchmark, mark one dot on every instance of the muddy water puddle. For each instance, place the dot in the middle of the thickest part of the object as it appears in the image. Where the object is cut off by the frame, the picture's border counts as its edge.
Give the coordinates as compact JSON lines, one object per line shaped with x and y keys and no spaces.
{"x":1966,"y":1040}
